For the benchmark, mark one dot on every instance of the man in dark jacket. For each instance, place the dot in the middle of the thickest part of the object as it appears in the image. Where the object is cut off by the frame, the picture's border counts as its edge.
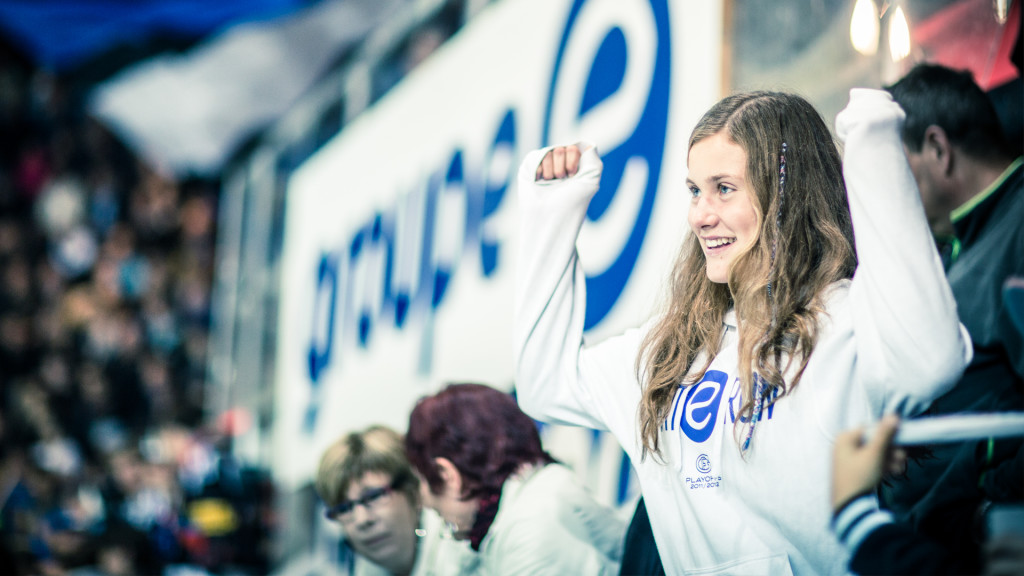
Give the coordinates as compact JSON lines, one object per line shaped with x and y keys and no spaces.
{"x":972,"y":188}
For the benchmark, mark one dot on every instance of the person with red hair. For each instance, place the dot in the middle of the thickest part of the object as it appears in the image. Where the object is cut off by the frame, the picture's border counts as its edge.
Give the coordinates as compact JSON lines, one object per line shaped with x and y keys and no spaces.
{"x":483,"y":469}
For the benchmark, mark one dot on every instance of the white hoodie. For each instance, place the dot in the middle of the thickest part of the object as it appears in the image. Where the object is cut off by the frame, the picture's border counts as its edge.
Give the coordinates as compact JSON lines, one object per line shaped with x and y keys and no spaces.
{"x":889,"y":342}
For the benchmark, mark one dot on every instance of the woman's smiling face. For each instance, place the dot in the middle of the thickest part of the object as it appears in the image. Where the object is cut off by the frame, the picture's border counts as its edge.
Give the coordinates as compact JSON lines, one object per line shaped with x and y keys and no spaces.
{"x":721,"y":211}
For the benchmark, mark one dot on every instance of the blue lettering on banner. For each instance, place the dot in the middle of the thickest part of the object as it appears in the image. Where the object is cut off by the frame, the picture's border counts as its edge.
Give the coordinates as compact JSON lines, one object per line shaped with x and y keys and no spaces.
{"x":400,"y":263}
{"x":326,"y":295}
{"x":394,"y":265}
{"x":323,"y":336}
{"x":645,"y":142}
{"x":397,"y":267}
{"x":494,"y":192}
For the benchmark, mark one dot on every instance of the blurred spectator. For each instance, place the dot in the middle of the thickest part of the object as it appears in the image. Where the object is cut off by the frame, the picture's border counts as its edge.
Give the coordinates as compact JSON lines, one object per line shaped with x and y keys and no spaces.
{"x":880,"y":545}
{"x":483,"y":469}
{"x":369,"y":488}
{"x":108,"y":463}
{"x":972,"y":188}
{"x":105,"y":274}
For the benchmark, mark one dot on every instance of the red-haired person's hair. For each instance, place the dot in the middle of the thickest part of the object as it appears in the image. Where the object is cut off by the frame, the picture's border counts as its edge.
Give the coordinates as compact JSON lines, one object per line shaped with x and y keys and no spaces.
{"x":480,"y":430}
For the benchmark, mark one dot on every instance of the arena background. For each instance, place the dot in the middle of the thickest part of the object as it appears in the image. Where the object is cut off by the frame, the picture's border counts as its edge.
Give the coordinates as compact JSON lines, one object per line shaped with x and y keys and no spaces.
{"x":365,"y":153}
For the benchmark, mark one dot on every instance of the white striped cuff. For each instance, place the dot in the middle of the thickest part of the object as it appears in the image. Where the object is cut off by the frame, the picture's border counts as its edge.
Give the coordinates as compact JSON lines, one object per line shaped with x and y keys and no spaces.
{"x":857,"y":519}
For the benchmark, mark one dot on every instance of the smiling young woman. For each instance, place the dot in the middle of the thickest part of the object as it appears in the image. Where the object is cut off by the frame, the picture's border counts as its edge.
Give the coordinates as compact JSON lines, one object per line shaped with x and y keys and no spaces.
{"x":722,"y":214}
{"x":728,"y":400}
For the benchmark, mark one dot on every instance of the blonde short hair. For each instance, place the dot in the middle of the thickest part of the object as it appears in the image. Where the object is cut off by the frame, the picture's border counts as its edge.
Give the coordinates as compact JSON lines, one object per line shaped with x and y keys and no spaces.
{"x":376,"y":449}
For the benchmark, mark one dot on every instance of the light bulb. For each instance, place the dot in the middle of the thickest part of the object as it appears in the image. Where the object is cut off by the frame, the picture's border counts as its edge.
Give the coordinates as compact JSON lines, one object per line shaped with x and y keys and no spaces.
{"x":899,"y":35}
{"x":1001,"y":10}
{"x":864,"y":28}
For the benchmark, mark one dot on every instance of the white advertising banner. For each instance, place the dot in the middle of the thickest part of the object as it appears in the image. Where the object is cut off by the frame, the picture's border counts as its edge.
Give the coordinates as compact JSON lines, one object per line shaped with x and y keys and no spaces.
{"x":399,"y":250}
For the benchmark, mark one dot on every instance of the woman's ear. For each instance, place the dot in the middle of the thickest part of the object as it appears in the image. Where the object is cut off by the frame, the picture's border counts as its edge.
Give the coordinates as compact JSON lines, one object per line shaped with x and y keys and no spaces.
{"x":450,"y":475}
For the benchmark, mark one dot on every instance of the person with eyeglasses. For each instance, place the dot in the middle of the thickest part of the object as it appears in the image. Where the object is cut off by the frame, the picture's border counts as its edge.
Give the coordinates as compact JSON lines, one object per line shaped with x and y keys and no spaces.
{"x":368,"y":488}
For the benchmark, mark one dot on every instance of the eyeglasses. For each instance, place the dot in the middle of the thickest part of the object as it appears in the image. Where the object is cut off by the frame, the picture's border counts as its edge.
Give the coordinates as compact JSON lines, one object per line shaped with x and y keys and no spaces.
{"x":344,"y":511}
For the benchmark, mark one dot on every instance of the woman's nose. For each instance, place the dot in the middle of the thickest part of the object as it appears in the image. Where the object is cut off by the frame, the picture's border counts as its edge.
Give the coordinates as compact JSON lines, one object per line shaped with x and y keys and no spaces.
{"x":702,"y":214}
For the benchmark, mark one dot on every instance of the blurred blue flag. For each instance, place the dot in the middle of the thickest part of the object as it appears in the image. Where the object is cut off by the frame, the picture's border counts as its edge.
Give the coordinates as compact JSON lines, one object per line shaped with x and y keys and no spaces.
{"x":61,"y":34}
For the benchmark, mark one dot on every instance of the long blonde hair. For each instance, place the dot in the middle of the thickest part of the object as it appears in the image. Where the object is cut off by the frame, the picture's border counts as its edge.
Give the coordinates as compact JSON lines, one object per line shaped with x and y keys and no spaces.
{"x":808,"y":230}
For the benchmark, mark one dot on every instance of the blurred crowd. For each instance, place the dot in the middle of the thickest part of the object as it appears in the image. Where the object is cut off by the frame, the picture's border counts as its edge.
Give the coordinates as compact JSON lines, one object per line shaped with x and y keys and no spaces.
{"x":108,"y":464}
{"x":112,"y":464}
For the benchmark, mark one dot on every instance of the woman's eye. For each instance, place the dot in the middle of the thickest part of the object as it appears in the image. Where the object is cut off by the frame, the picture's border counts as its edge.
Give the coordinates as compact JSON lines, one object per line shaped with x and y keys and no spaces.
{"x":694,"y":192}
{"x":723,"y":189}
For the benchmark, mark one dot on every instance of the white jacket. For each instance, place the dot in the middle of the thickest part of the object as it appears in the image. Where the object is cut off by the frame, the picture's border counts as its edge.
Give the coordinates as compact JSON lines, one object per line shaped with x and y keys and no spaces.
{"x":548,"y":524}
{"x":437,"y":553}
{"x":889,"y":342}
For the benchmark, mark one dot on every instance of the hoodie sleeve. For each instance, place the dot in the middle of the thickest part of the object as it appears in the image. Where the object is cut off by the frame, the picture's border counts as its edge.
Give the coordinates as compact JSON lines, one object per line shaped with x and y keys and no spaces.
{"x":879,"y":545}
{"x":911,"y":347}
{"x":557,"y":380}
